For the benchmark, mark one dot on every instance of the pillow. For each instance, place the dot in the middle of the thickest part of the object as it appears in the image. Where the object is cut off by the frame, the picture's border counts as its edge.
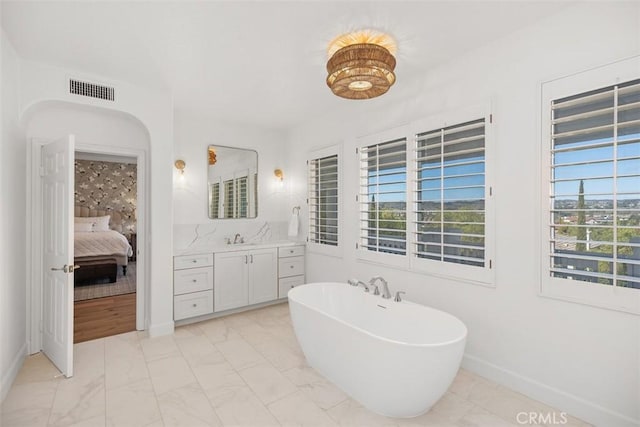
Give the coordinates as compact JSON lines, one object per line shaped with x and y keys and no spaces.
{"x":100,"y":223}
{"x":83,"y":227}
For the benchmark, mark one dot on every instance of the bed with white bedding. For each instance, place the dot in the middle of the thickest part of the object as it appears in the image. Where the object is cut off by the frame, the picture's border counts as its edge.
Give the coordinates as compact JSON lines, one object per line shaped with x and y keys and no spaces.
{"x":98,"y":238}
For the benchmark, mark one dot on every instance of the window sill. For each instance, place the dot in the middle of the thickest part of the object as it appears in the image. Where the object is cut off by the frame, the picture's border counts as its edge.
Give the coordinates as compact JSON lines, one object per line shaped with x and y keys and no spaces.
{"x":614,"y":298}
{"x":487,"y":281}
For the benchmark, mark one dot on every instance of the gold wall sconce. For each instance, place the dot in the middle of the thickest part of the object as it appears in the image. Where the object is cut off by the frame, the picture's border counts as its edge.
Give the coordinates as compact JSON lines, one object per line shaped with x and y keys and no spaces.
{"x":279,"y":174}
{"x":180,"y":165}
{"x":213,"y":157}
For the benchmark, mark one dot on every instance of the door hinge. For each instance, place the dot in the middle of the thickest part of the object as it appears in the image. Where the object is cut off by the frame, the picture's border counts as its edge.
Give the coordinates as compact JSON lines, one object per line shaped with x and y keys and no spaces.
{"x":357,"y":198}
{"x":490,"y":118}
{"x":491,"y":191}
{"x":490,"y":264}
{"x":357,"y":246}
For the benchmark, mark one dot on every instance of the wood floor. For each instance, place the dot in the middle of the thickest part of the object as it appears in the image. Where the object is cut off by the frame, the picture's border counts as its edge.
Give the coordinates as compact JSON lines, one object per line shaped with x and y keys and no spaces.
{"x":103,"y":317}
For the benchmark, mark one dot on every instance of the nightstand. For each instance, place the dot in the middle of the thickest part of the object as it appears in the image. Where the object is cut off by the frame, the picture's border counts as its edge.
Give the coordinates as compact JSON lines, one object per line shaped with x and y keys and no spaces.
{"x":133,"y":241}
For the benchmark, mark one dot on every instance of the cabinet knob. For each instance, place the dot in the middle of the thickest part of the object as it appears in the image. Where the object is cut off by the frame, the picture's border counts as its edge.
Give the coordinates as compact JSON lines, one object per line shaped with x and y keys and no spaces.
{"x":194,"y":261}
{"x":194,"y":305}
{"x":291,"y":266}
{"x":194,"y":280}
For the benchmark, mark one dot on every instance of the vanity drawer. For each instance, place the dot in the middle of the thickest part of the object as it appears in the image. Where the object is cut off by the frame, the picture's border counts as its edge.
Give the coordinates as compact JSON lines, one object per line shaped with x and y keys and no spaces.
{"x":293,"y":266}
{"x":192,"y":280}
{"x":289,"y":251}
{"x":288,"y":283}
{"x":192,"y":305}
{"x":192,"y":261}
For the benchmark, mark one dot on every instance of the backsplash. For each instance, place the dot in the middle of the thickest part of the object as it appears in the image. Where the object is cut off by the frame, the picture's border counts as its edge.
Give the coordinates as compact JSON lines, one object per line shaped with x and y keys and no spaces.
{"x":206,"y":236}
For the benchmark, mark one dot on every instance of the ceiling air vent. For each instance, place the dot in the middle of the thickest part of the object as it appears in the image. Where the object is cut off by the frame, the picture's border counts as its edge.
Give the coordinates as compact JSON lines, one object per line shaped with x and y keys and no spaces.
{"x":91,"y":90}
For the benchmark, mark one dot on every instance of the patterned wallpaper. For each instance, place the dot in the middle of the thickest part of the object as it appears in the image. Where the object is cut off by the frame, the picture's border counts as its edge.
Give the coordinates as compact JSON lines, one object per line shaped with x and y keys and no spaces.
{"x":108,"y":186}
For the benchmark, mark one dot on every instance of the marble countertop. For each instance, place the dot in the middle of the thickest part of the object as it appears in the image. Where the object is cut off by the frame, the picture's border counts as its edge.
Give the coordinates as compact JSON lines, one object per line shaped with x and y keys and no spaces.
{"x":234,"y":247}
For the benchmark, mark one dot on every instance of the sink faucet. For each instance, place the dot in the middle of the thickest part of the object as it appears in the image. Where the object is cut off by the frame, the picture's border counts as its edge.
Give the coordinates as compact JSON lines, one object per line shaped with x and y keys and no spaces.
{"x":385,"y":288}
{"x":235,"y":239}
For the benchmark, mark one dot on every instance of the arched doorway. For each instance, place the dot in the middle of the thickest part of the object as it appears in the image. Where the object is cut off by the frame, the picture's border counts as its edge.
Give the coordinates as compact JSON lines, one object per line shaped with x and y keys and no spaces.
{"x":99,"y":132}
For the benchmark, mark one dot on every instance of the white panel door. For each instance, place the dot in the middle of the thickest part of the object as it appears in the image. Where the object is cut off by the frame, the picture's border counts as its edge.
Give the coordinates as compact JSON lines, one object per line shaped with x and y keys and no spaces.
{"x":230,"y":282}
{"x":57,"y":229}
{"x":263,"y":275}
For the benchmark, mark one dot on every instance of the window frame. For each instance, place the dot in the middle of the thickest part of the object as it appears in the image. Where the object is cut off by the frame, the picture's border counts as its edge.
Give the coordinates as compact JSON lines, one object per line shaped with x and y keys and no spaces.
{"x":481,"y":275}
{"x":389,"y":260}
{"x":321,"y":248}
{"x":603,"y":296}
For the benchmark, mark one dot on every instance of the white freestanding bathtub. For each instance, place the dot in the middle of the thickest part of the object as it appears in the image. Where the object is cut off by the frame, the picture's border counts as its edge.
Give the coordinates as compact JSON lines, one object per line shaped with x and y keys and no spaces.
{"x":395,"y":358}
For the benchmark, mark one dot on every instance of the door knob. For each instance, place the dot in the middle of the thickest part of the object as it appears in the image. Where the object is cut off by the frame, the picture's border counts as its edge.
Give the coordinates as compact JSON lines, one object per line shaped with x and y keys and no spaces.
{"x":66,"y":268}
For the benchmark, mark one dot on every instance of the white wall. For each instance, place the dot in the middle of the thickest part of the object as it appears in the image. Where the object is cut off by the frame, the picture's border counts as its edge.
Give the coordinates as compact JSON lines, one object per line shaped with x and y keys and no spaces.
{"x":12,"y":223}
{"x":193,"y":135}
{"x":581,"y":359}
{"x":90,"y":125}
{"x":153,"y":109}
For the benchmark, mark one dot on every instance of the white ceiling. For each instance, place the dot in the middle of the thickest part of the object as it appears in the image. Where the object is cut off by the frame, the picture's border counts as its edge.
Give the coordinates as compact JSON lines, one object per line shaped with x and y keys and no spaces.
{"x":260,"y":62}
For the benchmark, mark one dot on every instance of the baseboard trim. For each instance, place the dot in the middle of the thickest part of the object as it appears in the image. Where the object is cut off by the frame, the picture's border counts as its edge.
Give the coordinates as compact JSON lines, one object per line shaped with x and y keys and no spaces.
{"x":161,"y":329}
{"x":11,"y":374}
{"x":204,"y":317}
{"x":574,"y":405}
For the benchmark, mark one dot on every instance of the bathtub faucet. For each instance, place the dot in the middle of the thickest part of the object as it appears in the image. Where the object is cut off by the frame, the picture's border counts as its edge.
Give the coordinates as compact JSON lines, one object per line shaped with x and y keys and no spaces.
{"x":364,"y":285}
{"x":356,"y":283}
{"x":385,"y":288}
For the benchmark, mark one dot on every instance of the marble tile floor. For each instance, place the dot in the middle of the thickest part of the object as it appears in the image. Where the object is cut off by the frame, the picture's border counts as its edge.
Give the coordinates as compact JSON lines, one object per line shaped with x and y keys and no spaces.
{"x":241,"y":370}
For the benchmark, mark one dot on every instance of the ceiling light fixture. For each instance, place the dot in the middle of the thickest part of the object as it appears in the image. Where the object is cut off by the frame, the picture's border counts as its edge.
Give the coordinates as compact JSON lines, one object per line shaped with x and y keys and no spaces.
{"x":361,"y":64}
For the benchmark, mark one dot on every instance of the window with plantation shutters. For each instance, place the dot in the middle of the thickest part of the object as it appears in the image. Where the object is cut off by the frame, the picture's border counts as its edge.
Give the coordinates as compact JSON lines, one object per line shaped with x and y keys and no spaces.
{"x":449,"y":194}
{"x":323,"y":200}
{"x":242,"y":196}
{"x":594,"y":204}
{"x":383,"y":197}
{"x":214,"y":200}
{"x":229,"y":198}
{"x":254,"y":208}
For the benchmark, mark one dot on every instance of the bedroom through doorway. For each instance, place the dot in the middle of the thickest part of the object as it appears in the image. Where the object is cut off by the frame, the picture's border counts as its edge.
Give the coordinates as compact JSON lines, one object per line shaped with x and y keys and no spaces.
{"x":105,"y":245}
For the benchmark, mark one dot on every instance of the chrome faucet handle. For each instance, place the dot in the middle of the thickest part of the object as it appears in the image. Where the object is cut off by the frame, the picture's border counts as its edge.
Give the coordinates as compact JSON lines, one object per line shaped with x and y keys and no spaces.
{"x":376,"y":290}
{"x":397,"y":297}
{"x":227,"y":240}
{"x":353,"y":282}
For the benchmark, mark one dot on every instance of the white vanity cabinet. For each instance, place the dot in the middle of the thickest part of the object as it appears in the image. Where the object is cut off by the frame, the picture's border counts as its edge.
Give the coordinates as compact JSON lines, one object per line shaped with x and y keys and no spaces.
{"x":290,"y":269}
{"x":245,"y":277}
{"x":192,"y":286}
